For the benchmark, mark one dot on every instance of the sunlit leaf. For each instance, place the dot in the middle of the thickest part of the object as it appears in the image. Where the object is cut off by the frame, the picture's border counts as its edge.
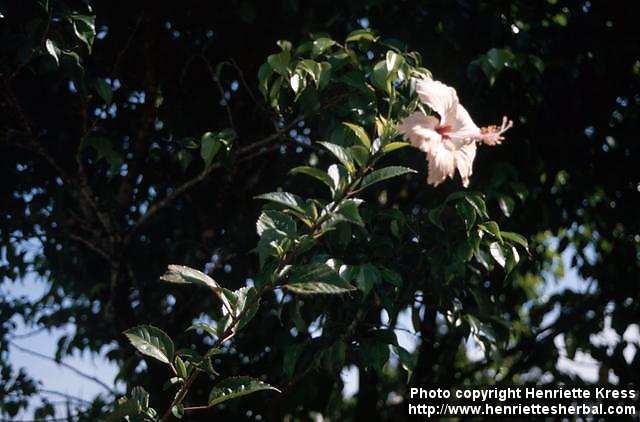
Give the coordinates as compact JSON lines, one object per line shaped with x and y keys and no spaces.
{"x":320,"y":45}
{"x":235,"y":387}
{"x":287,"y":199}
{"x":341,"y":154}
{"x":383,"y":174}
{"x":84,"y":28}
{"x":516,"y":238}
{"x":361,"y":35}
{"x":52,"y":50}
{"x":151,"y":341}
{"x":280,"y":62}
{"x":315,"y":173}
{"x":360,"y":133}
{"x":497,"y":253}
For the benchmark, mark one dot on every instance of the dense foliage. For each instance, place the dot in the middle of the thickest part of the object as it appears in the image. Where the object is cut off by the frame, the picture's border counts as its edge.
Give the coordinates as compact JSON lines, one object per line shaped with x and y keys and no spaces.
{"x":135,"y":137}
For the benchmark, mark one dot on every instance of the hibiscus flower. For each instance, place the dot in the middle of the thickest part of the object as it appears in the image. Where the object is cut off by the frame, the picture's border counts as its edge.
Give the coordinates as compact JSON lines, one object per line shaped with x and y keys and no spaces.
{"x":449,"y":140}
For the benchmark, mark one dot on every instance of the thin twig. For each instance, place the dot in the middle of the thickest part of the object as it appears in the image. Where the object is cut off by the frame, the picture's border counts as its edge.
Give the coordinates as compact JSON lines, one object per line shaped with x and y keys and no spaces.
{"x":216,"y":80}
{"x":65,"y":419}
{"x":65,"y":365}
{"x":130,"y":39}
{"x":29,"y":334}
{"x":167,"y":200}
{"x":91,"y":246}
{"x":248,"y":88}
{"x":64,"y":395}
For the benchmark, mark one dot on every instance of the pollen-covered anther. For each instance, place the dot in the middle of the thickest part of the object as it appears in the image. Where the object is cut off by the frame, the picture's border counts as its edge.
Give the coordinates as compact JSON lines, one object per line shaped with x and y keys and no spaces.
{"x":492,"y":135}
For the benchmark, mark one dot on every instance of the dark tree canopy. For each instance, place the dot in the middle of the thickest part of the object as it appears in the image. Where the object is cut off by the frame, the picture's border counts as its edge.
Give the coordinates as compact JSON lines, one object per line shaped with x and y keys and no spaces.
{"x":100,"y":163}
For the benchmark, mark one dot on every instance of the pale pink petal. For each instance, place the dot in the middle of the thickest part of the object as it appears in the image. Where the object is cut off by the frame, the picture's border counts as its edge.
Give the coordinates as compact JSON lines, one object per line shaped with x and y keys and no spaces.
{"x":441,"y":164}
{"x":439,"y":97}
{"x":464,"y":157}
{"x":418,"y":129}
{"x":450,"y":143}
{"x":462,"y":126}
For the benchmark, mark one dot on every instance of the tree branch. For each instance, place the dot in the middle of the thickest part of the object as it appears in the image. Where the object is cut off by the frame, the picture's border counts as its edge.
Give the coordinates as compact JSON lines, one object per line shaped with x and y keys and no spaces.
{"x":65,"y":365}
{"x":91,"y":246}
{"x":64,"y":395}
{"x":167,"y":200}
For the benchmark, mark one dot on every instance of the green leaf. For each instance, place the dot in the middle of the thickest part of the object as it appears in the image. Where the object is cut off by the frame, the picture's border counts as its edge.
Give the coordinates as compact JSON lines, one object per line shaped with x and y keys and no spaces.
{"x":320,"y":45}
{"x":500,"y":57}
{"x":341,"y":154}
{"x":296,"y":82}
{"x":177,"y":411}
{"x":280,"y":62}
{"x":468,"y":214}
{"x":245,"y":306}
{"x":361,"y":35}
{"x":287,"y":199}
{"x":492,"y":228}
{"x":315,"y":173}
{"x":235,"y":387}
{"x":276,"y":220}
{"x":507,"y":204}
{"x":434,"y":216}
{"x":43,"y":3}
{"x":380,"y":76}
{"x":497,"y":253}
{"x":348,"y":209}
{"x":316,"y":278}
{"x":407,"y":360}
{"x":323,"y":76}
{"x":104,"y":90}
{"x":480,"y":329}
{"x":339,"y":176}
{"x":84,"y":28}
{"x":383,"y":174}
{"x":104,"y":149}
{"x":151,"y":341}
{"x":315,"y":272}
{"x":392,"y":146}
{"x":204,"y":327}
{"x":360,"y":133}
{"x":52,"y":50}
{"x":464,"y":249}
{"x":136,"y":403}
{"x":483,"y":259}
{"x":391,"y":277}
{"x":393,"y":61}
{"x":317,"y":288}
{"x":478,"y":204}
{"x":311,"y":67}
{"x":513,"y":257}
{"x":516,"y":238}
{"x":367,"y":277}
{"x":209,"y":146}
{"x":124,"y":407}
{"x":264,"y":74}
{"x":374,"y":354}
{"x":360,"y":153}
{"x":181,"y":369}
{"x":356,"y":79}
{"x":291,"y":355}
{"x":284,"y":44}
{"x":186,"y":275}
